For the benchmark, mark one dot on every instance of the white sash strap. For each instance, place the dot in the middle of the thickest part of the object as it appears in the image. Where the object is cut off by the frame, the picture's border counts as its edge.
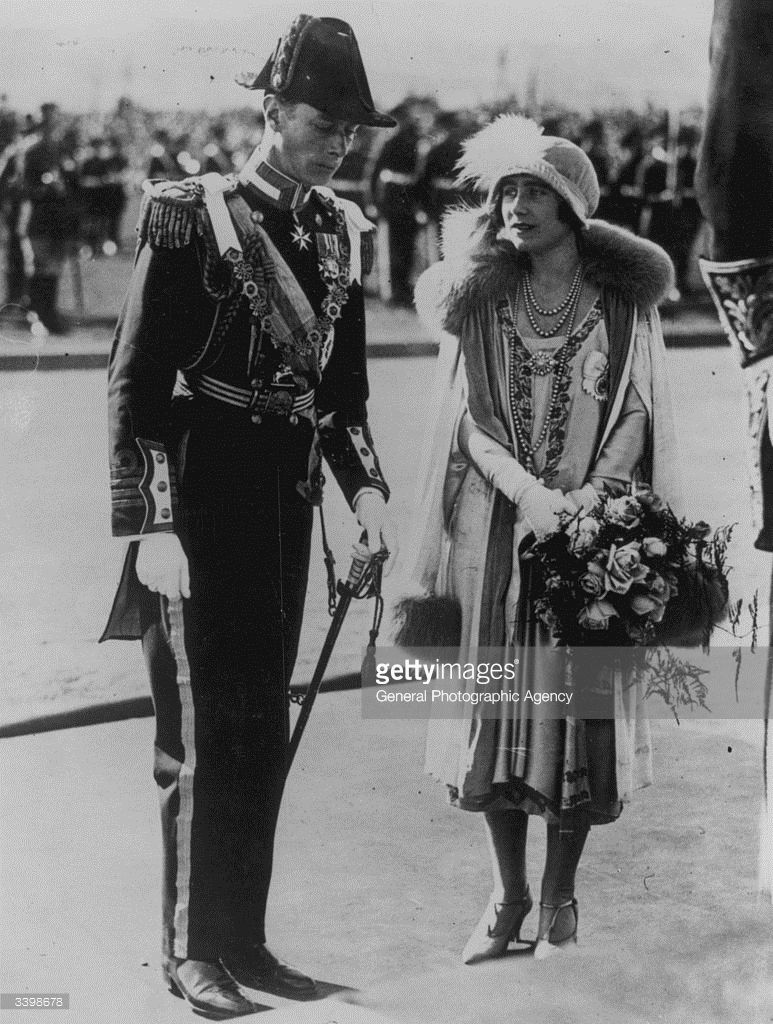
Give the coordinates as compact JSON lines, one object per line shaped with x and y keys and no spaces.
{"x":225,"y":234}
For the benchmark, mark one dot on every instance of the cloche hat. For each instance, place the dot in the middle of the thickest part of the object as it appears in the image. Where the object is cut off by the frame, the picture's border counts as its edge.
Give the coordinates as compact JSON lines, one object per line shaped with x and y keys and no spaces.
{"x":317,"y":61}
{"x":513,"y":144}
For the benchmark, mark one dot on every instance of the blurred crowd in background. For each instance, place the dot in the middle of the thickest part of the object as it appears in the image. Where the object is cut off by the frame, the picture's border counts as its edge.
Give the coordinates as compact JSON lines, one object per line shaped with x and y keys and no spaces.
{"x":66,"y":182}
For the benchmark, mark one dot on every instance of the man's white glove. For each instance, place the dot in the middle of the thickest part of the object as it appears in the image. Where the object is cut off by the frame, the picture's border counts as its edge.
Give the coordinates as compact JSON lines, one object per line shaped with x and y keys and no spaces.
{"x":542,"y":506}
{"x":162,"y":565}
{"x":373,"y":516}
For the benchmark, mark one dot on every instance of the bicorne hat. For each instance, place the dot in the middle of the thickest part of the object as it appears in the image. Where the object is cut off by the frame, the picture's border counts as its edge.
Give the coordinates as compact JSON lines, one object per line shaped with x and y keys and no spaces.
{"x":317,"y":61}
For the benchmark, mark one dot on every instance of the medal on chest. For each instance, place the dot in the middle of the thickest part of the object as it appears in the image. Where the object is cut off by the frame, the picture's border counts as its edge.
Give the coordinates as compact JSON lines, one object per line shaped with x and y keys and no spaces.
{"x":300,"y":236}
{"x":334,"y":271}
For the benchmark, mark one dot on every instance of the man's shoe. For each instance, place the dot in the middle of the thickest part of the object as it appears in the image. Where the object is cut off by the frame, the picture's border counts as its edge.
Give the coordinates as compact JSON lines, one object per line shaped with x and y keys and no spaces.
{"x":207,"y":987}
{"x":258,"y":968}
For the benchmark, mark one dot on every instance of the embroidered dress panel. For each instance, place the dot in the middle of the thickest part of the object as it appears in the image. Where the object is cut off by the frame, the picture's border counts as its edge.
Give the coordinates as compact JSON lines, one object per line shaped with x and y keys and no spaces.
{"x":532,"y":390}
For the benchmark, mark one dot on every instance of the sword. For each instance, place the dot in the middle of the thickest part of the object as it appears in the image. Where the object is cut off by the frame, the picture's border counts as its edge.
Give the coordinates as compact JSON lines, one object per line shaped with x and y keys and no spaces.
{"x":364,"y":580}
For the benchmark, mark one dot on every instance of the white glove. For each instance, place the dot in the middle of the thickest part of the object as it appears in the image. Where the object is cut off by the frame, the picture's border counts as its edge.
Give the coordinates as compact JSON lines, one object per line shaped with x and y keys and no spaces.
{"x":540,"y":505}
{"x":372,"y":515}
{"x":162,"y":566}
{"x":584,"y":498}
{"x":494,"y":461}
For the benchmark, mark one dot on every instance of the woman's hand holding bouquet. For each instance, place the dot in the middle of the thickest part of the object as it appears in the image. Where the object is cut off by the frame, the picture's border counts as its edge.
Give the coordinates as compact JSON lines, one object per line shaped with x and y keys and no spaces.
{"x":627,"y":570}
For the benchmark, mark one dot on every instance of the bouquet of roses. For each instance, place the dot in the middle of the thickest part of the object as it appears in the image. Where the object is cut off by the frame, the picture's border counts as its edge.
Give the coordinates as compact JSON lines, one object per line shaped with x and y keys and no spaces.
{"x":629,"y":572}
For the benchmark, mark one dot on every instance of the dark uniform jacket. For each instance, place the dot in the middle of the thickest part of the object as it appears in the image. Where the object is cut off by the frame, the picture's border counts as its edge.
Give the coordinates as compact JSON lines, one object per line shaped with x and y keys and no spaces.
{"x":49,"y":183}
{"x":191,"y":341}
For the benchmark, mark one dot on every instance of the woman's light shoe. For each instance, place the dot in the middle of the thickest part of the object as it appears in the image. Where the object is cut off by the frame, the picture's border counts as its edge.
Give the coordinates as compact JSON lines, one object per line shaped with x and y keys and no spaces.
{"x":548,"y":917}
{"x":499,"y":926}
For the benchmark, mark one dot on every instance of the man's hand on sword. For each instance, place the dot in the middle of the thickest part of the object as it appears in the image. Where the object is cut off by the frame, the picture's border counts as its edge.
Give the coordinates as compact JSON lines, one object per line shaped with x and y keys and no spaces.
{"x":373,"y":516}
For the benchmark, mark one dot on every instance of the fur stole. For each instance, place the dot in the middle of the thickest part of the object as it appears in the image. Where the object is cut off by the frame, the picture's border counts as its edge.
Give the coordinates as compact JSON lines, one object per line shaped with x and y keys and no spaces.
{"x":477,"y":267}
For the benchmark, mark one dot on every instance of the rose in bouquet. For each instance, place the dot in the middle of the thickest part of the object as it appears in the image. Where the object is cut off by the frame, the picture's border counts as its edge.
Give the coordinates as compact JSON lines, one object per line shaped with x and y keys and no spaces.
{"x":630,"y":572}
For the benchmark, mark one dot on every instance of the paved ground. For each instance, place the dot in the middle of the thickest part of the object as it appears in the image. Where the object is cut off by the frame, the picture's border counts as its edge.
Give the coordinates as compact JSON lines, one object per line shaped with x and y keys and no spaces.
{"x":378,"y":882}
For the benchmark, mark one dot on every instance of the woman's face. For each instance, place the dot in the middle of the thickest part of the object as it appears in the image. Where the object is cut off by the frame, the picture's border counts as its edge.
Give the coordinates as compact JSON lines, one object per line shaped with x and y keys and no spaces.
{"x":530,"y":214}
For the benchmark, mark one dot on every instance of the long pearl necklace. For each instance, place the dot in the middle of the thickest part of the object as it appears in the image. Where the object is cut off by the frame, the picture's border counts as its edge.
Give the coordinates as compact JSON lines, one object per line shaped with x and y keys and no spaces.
{"x":557,"y":363}
{"x":564,"y":308}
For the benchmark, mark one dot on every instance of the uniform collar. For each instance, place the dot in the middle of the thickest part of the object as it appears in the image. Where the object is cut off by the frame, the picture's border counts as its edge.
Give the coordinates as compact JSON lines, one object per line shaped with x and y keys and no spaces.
{"x":276,"y":188}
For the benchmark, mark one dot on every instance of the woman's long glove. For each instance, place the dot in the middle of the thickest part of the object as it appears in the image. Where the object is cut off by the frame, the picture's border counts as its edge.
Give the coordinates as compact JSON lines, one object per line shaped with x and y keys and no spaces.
{"x":540,"y":505}
{"x":584,"y":498}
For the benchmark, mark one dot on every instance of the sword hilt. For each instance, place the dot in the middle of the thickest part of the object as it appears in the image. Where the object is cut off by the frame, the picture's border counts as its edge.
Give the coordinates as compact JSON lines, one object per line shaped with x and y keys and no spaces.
{"x":360,"y":562}
{"x":364,"y":568}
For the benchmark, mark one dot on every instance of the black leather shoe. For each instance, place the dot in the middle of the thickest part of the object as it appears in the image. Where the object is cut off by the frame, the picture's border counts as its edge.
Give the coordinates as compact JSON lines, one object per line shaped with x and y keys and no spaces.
{"x":258,"y":968}
{"x":207,"y":987}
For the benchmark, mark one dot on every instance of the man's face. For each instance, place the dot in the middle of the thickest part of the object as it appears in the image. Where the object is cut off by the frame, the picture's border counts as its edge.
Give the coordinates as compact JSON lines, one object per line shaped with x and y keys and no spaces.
{"x":530,"y":214}
{"x":308,"y":145}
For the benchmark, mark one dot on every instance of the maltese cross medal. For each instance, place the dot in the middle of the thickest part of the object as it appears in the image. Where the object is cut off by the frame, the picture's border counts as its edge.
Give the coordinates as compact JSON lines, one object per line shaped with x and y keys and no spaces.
{"x":301,"y":237}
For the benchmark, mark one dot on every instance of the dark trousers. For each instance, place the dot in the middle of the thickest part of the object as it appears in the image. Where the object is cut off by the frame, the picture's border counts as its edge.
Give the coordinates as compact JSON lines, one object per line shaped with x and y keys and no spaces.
{"x":220,"y":667}
{"x":399,"y":213}
{"x":402,"y":242}
{"x":15,"y":274}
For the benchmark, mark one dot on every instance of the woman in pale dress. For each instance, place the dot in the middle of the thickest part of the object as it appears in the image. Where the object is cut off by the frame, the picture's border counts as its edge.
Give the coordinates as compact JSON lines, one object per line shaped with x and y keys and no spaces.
{"x":551,"y":388}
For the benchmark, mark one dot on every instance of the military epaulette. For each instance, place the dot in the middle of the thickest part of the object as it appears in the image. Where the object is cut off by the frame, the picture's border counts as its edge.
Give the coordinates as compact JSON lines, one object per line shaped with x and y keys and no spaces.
{"x":368,"y":247}
{"x":171,"y":213}
{"x":357,"y":225}
{"x":357,"y":220}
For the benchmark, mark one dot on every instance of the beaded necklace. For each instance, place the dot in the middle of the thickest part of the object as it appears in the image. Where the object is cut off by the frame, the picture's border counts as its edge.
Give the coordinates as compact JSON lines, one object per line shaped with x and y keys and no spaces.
{"x":540,"y":363}
{"x":564,"y":308}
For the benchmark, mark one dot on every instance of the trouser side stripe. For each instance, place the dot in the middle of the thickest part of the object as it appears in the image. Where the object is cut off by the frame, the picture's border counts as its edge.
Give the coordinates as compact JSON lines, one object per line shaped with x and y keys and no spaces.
{"x":187,"y":770}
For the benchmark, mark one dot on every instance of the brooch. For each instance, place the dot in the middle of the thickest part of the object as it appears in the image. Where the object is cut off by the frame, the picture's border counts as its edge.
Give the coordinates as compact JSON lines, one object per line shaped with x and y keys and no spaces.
{"x":542,"y":362}
{"x":595,"y":376}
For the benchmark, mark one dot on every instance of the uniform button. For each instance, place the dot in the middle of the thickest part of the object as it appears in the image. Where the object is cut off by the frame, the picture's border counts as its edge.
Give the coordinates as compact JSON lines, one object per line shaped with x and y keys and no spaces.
{"x":256,"y":217}
{"x":256,"y":417}
{"x":293,"y":419}
{"x":354,"y":430}
{"x":166,"y":513}
{"x":255,"y":383}
{"x":374,"y":472}
{"x":364,"y":451}
{"x":162,"y":486}
{"x":160,"y":458}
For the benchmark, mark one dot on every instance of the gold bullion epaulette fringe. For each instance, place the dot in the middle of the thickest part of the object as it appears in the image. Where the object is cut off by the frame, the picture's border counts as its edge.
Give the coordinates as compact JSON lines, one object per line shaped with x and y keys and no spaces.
{"x":171,"y":213}
{"x":368,"y":251}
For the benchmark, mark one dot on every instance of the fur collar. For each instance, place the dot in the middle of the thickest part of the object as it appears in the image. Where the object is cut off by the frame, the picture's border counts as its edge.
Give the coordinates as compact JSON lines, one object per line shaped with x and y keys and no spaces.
{"x":477,"y":267}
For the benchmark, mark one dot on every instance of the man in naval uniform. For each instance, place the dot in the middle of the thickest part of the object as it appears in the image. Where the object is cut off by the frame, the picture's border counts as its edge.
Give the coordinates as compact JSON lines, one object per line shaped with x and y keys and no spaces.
{"x":239,"y":356}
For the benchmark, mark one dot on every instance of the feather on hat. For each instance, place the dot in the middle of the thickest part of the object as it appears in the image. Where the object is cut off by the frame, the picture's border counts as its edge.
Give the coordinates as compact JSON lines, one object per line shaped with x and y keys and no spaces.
{"x":513,"y":144}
